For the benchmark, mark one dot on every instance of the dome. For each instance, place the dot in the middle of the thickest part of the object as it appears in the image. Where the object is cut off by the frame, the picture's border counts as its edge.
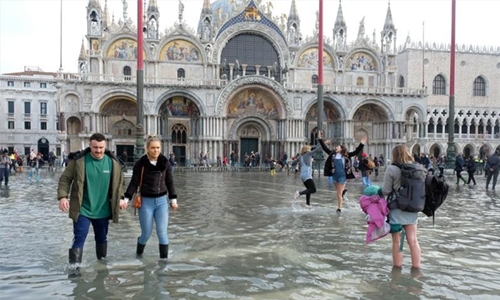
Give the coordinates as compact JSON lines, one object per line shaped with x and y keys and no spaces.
{"x":225,"y":9}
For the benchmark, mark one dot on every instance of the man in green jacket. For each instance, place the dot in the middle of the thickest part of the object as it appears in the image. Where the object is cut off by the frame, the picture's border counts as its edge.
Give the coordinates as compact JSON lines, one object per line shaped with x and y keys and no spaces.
{"x":95,"y":178}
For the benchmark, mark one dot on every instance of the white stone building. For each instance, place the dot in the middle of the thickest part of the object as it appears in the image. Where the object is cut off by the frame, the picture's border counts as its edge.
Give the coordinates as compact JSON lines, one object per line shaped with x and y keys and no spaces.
{"x":28,"y":111}
{"x":247,"y":81}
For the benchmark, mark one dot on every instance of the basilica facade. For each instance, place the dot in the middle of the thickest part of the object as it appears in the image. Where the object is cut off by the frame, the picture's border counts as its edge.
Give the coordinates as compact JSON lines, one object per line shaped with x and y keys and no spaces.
{"x":246,"y":80}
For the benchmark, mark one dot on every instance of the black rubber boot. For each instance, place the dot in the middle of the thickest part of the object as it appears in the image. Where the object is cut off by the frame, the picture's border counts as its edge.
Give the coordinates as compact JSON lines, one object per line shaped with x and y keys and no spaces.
{"x":163,"y":251}
{"x":140,"y":249}
{"x":101,"y":250}
{"x":75,"y":258}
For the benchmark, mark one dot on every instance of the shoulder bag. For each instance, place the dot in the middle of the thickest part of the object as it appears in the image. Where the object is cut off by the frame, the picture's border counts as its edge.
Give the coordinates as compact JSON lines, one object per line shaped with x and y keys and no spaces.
{"x":136,"y":198}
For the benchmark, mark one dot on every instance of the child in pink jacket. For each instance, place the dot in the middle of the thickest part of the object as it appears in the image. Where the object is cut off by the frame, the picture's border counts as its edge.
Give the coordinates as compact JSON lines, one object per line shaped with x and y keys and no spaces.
{"x":376,"y":209}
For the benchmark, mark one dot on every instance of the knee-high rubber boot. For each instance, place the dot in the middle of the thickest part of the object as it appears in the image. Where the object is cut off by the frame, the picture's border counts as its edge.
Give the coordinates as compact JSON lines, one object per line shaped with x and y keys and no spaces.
{"x":75,"y":258}
{"x":163,"y":251}
{"x":140,"y":249}
{"x":101,"y":250}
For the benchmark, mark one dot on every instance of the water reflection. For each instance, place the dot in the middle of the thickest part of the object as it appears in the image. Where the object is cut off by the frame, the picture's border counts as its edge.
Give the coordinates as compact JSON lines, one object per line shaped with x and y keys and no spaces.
{"x":240,"y":235}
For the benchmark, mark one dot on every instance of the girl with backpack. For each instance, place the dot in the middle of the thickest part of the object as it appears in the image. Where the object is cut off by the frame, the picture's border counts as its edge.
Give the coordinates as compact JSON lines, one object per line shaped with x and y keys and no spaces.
{"x":339,"y":166}
{"x":402,"y":223}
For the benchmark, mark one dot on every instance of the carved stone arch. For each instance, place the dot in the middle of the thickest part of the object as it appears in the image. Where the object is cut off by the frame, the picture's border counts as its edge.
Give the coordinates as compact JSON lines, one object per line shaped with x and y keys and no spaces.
{"x":183,"y":39}
{"x":468,"y":150}
{"x":253,"y":28}
{"x":124,"y":36}
{"x":355,"y":54}
{"x":70,"y":101}
{"x":339,"y":109}
{"x":186,"y":94}
{"x":73,"y":125}
{"x":113,"y":93}
{"x":265,"y":128}
{"x":382,"y":108}
{"x":437,"y":149}
{"x":263,"y":82}
{"x":308,"y":57}
{"x":416,"y":149}
{"x":418,"y":110}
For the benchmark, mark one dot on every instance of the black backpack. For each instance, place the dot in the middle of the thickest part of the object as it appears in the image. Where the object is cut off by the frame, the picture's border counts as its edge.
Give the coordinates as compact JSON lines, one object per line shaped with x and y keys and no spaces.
{"x":436,"y":190}
{"x":410,"y":196}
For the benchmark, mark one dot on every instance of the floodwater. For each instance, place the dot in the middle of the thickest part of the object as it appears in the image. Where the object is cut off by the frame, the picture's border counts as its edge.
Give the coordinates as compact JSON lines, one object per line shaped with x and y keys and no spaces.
{"x":239,"y":235}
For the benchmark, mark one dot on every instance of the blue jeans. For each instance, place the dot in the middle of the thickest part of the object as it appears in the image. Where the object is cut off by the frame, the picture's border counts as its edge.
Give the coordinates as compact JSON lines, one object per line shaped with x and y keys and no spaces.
{"x":4,"y":172}
{"x":81,"y":229}
{"x":366,"y":179}
{"x":154,"y":209}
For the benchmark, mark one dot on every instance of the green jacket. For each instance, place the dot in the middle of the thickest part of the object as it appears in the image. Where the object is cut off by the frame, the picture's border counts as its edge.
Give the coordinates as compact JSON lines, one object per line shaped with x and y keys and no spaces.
{"x":73,"y":178}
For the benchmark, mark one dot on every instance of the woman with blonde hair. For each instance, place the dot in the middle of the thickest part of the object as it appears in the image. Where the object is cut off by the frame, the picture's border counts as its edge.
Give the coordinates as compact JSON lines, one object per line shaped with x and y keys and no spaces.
{"x":157,"y":184}
{"x":306,"y":159}
{"x":402,"y":222}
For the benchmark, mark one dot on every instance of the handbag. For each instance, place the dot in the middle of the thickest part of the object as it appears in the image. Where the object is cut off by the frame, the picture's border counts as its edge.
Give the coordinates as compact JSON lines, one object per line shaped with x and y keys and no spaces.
{"x":136,"y":198}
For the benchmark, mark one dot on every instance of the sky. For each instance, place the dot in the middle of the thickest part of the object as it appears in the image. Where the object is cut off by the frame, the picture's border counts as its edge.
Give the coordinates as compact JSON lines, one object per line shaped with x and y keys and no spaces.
{"x":30,"y":29}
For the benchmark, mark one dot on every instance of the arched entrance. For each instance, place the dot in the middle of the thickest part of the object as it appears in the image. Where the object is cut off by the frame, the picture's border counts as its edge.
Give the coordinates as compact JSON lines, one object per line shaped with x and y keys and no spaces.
{"x":468,"y":150}
{"x":73,"y":128}
{"x":249,"y":134}
{"x":435,"y":150}
{"x":43,"y":147}
{"x":371,"y":121}
{"x":331,"y":116}
{"x":485,"y":150}
{"x":119,"y":115}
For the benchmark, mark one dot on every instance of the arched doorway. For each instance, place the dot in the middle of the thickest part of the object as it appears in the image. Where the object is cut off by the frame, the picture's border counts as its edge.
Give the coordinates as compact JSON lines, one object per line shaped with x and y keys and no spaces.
{"x":119,"y":114}
{"x":123,"y":133}
{"x":485,"y":150}
{"x":179,"y":140}
{"x":372,"y":118}
{"x":435,"y":150}
{"x":43,"y":147}
{"x":249,"y":135}
{"x":331,"y":116}
{"x":468,"y":151}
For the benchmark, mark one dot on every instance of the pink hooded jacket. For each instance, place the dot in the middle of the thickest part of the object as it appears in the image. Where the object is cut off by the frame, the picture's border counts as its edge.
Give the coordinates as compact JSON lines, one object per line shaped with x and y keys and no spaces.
{"x":376,"y":209}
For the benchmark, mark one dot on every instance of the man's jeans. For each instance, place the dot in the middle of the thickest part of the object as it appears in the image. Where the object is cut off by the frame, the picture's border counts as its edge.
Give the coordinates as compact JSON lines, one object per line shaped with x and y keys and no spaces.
{"x":154,"y":209}
{"x":4,"y":173}
{"x":493,"y":174}
{"x":81,"y":229}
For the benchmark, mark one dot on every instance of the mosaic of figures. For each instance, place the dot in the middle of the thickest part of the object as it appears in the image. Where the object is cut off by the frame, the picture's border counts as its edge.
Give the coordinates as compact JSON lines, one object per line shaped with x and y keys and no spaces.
{"x":309,"y":59}
{"x":370,"y":113}
{"x":120,"y":107}
{"x":253,"y":101}
{"x":180,"y":50}
{"x":361,"y":61}
{"x":330,"y":113}
{"x":179,"y":107}
{"x":124,"y":49}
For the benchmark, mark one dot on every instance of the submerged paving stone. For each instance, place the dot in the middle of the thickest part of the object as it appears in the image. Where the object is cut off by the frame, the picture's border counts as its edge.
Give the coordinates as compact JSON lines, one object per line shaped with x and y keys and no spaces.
{"x":241,"y":235}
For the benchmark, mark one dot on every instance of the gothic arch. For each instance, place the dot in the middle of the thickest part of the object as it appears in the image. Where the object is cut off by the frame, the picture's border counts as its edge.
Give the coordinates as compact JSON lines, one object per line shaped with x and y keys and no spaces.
{"x":266,"y":131}
{"x":469,"y":150}
{"x":280,"y":94}
{"x":436,"y":150}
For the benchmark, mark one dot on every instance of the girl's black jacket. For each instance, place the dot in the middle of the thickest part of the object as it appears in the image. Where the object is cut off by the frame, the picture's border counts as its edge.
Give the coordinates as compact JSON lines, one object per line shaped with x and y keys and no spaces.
{"x":157,"y":180}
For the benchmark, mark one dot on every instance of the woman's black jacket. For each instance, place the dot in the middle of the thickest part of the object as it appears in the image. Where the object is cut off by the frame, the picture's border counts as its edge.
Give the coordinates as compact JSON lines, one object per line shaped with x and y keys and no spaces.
{"x":157,"y":180}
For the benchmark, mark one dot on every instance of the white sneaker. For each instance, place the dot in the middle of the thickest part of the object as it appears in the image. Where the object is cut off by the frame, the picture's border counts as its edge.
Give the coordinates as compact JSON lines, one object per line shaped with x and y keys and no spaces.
{"x":296,"y":195}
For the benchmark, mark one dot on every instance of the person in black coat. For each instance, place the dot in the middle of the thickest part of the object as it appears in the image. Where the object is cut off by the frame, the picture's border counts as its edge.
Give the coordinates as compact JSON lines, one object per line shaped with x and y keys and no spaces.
{"x":459,"y":167}
{"x":471,"y":169}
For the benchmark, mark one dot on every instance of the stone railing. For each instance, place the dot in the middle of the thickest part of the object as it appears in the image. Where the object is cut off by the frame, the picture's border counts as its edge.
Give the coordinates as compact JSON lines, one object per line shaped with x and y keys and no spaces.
{"x":292,"y":86}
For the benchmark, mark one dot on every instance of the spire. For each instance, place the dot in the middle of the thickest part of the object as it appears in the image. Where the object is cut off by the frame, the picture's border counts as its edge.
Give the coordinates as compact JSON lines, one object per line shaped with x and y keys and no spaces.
{"x":94,"y":3}
{"x":83,"y":52}
{"x":207,"y":7}
{"x":106,"y":15}
{"x":125,"y":14}
{"x":389,"y":24}
{"x":153,"y":6}
{"x":340,"y":22}
{"x":294,"y":15}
